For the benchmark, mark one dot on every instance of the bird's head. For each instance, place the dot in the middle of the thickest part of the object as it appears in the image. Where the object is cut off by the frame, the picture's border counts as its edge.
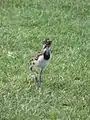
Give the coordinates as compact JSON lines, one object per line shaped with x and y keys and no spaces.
{"x":47,"y":43}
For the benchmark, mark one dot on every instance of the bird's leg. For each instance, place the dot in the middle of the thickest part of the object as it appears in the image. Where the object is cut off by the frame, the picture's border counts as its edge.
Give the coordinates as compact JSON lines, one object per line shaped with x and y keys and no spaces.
{"x":37,"y":82}
{"x":40,"y":77}
{"x":35,"y":76}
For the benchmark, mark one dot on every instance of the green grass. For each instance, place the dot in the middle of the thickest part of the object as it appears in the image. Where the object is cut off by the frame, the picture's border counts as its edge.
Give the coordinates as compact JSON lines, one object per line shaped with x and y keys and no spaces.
{"x":65,"y":93}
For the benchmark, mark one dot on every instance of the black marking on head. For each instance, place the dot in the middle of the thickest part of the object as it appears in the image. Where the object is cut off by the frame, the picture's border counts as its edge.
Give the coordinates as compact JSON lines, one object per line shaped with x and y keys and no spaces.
{"x":47,"y":43}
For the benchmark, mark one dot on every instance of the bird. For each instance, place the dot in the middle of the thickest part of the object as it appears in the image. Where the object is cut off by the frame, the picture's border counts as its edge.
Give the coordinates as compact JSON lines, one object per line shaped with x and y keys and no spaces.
{"x":41,"y":61}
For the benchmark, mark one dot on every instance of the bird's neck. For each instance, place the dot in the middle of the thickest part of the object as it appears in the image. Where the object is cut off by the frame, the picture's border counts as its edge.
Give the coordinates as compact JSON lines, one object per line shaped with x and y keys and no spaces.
{"x":47,"y":55}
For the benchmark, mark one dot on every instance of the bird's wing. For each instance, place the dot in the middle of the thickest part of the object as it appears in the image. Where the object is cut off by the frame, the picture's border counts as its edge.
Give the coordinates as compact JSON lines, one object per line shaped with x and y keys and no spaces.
{"x":37,"y":56}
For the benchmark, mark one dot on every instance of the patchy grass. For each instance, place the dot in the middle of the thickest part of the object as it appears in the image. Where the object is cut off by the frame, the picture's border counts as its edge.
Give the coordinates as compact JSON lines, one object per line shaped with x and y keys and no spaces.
{"x":65,"y":93}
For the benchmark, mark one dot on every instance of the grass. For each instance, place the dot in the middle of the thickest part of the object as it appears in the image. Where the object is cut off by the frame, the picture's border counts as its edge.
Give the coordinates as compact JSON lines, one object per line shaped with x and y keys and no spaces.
{"x":65,"y":93}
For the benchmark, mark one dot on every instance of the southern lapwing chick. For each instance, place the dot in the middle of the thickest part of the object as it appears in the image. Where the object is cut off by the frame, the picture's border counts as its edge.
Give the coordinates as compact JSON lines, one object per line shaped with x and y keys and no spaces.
{"x":41,"y":61}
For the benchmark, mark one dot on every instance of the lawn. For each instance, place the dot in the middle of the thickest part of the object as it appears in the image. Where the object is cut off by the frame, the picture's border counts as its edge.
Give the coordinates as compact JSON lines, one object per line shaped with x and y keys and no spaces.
{"x":65,"y":92}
